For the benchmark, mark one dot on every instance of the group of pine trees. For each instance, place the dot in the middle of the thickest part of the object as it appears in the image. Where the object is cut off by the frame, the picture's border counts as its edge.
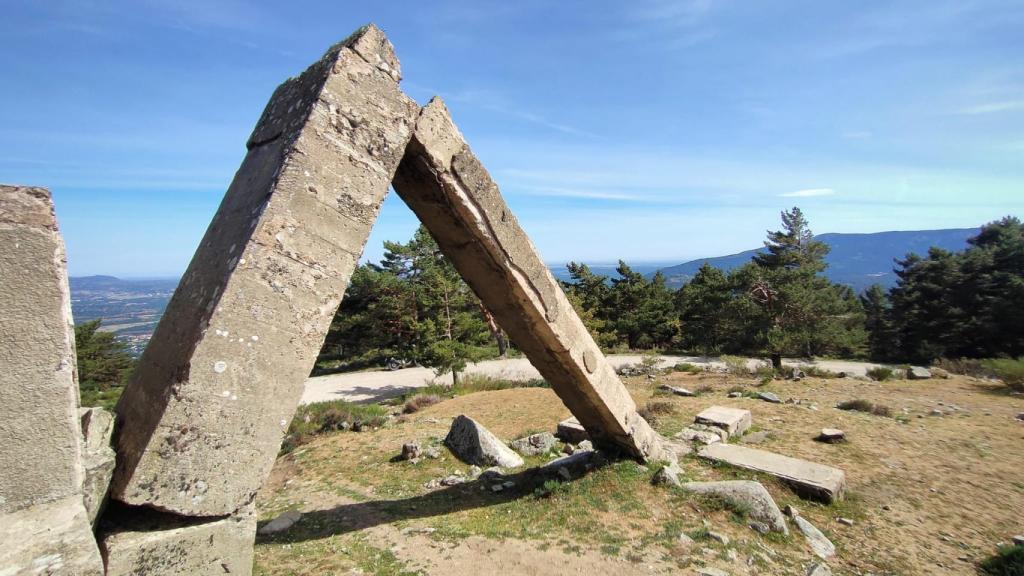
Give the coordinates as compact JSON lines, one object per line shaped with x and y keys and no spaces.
{"x":777,"y":304}
{"x":414,"y":305}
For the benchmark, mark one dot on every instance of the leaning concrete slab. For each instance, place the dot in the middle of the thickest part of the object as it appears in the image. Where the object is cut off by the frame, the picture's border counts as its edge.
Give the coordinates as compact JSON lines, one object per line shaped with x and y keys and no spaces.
{"x":202,"y":418}
{"x":809,"y":479}
{"x":51,"y":538}
{"x":735,"y":421}
{"x":39,"y":431}
{"x":154,"y":543}
{"x":98,"y":458}
{"x":453,"y":195}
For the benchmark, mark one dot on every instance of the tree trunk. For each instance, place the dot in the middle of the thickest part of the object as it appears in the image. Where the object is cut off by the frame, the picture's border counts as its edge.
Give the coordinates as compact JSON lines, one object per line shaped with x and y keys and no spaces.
{"x":496,"y":331}
{"x":776,"y":361}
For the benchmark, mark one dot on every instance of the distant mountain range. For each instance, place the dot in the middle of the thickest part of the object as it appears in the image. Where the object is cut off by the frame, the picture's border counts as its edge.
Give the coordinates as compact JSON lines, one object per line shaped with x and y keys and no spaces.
{"x":857,"y":260}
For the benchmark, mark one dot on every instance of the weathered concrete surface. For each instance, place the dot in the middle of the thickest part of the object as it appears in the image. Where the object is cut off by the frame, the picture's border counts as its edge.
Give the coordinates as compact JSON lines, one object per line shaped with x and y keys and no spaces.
{"x":97,"y":457}
{"x":455,"y":198}
{"x":203,"y":416}
{"x":153,"y":543}
{"x":40,"y":458}
{"x":50,"y":538}
{"x":808,"y":478}
{"x":735,"y":421}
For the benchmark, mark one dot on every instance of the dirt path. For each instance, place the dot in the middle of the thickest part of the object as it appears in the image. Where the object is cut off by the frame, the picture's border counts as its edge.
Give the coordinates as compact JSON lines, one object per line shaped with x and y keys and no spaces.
{"x":377,"y":385}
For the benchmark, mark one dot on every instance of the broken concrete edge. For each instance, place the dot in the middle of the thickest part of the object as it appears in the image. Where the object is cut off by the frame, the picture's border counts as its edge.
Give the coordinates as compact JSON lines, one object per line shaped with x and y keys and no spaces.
{"x":444,"y":183}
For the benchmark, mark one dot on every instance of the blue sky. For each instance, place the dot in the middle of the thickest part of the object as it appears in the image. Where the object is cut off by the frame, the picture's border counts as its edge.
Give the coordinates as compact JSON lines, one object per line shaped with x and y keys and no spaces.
{"x":643,"y":130}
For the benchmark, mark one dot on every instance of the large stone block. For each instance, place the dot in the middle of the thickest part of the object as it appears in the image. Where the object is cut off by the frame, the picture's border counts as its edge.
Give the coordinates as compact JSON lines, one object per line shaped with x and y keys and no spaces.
{"x":203,"y":416}
{"x":809,"y":479}
{"x":51,"y":538}
{"x":455,"y":198}
{"x":147,"y":543}
{"x":39,"y":432}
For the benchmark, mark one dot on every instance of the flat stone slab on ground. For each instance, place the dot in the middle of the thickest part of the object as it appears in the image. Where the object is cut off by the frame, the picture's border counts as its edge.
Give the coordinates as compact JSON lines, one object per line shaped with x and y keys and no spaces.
{"x":831,"y":435}
{"x":676,"y":390}
{"x":809,"y":479}
{"x":918,"y":373}
{"x":820,"y":544}
{"x":735,"y":421}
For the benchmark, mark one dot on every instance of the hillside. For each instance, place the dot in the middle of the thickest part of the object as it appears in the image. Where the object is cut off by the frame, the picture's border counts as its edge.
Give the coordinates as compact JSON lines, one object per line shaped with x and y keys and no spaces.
{"x":857,"y":260}
{"x":129,"y":308}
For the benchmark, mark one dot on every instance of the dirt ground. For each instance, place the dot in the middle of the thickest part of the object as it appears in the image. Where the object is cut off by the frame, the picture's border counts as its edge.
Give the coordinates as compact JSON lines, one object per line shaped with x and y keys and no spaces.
{"x":928,"y":494}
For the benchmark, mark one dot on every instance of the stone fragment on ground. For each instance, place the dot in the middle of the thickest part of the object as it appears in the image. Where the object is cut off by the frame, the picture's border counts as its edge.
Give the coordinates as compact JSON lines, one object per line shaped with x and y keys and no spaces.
{"x":574,"y":465}
{"x":283,"y":522}
{"x":474,"y":444}
{"x":535,"y":444}
{"x":411,"y":451}
{"x":819,"y":543}
{"x":571,"y":431}
{"x":735,"y":421}
{"x":844,"y":521}
{"x":808,"y":479}
{"x":709,"y":571}
{"x":676,"y":390}
{"x":1018,"y":540}
{"x":749,"y":494}
{"x":667,"y":476}
{"x":831,"y":435}
{"x":735,"y":395}
{"x":691,"y":434}
{"x":918,"y":373}
{"x":51,"y":538}
{"x":718,"y":537}
{"x":769,"y":397}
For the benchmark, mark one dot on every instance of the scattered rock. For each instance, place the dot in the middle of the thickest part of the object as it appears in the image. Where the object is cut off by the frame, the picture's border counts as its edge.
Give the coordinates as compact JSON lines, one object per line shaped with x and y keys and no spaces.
{"x":475,"y":471}
{"x":676,"y":390}
{"x":701,"y":436}
{"x":819,"y":569}
{"x":918,"y":373}
{"x":1018,"y":540}
{"x":820,"y":544}
{"x":769,"y":397}
{"x":686,"y":540}
{"x":937,"y":412}
{"x":1020,"y":416}
{"x":453,"y":480}
{"x":718,"y":537}
{"x":752,"y":495}
{"x":585,"y":445}
{"x":570,"y":430}
{"x":735,"y":421}
{"x":568,"y":449}
{"x":760,"y":527}
{"x":791,"y":511}
{"x":708,"y":571}
{"x":497,"y":488}
{"x":411,"y":451}
{"x":831,"y":435}
{"x":735,"y":394}
{"x":574,"y":466}
{"x":432,"y":452}
{"x":474,"y":444}
{"x":535,"y":444}
{"x":667,"y":475}
{"x":845,"y":521}
{"x":281,"y":523}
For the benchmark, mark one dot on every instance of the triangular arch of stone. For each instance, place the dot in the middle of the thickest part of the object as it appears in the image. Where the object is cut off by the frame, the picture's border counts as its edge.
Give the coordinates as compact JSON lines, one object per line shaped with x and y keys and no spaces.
{"x":202,"y":419}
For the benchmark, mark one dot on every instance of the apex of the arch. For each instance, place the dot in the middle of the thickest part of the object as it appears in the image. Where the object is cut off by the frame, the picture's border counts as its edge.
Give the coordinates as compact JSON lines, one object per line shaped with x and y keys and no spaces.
{"x":437,"y":134}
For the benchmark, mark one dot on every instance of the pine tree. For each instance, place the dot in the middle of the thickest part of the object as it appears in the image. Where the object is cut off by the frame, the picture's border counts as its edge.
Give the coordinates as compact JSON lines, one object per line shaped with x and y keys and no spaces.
{"x":875,"y":302}
{"x":104,"y":364}
{"x":794,"y":246}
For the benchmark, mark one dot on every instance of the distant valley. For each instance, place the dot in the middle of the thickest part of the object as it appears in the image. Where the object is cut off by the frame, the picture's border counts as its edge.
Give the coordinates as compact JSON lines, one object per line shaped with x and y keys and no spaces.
{"x":129,"y":308}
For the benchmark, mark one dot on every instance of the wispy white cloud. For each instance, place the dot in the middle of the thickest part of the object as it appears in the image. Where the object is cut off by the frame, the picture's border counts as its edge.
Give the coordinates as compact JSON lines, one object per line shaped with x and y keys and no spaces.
{"x":581,"y":193}
{"x":808,"y":193}
{"x":993,"y":107}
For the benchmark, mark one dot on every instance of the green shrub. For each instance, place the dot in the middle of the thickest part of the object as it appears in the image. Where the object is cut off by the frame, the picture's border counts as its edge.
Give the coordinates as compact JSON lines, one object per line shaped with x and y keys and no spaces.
{"x":688,"y":368}
{"x":313,"y":419}
{"x":1010,"y":371}
{"x":813,"y":371}
{"x":865,"y":406}
{"x":1008,"y":561}
{"x":880,"y":373}
{"x":736,"y":366}
{"x":655,"y":409}
{"x":470,"y":383}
